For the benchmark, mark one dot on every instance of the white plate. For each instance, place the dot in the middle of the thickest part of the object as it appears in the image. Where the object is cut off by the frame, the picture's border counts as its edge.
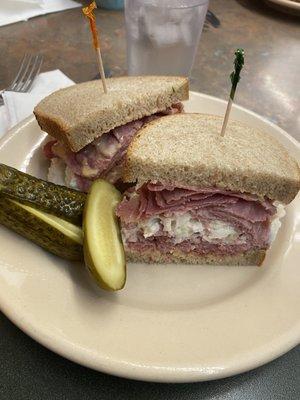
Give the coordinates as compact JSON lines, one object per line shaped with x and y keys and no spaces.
{"x":172,"y":323}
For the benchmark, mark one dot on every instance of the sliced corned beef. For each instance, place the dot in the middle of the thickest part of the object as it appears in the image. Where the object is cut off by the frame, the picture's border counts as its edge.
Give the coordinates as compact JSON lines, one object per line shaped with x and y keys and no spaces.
{"x":246,"y":214}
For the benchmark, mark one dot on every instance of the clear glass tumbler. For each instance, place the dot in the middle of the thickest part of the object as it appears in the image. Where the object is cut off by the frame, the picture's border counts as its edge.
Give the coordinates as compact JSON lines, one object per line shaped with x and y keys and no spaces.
{"x":163,"y":35}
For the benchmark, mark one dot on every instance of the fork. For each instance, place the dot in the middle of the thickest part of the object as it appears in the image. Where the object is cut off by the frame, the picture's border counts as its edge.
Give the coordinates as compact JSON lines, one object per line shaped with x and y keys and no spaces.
{"x":29,"y":69}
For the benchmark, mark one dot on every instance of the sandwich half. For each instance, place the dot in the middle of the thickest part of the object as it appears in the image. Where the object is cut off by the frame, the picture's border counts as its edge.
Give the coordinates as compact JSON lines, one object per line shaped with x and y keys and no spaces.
{"x":91,"y":130}
{"x":201,"y":198}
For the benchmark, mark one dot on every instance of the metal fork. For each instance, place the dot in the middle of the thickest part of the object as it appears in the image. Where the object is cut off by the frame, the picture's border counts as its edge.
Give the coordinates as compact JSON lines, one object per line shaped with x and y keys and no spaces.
{"x":29,"y":69}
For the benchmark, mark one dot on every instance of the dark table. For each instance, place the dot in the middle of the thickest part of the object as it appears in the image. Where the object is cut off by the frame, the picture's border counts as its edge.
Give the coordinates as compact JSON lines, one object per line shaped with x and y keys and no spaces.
{"x":270,"y":86}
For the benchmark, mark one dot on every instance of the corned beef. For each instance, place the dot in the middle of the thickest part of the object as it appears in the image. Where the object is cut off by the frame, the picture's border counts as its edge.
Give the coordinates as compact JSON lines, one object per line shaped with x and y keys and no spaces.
{"x":248,"y":215}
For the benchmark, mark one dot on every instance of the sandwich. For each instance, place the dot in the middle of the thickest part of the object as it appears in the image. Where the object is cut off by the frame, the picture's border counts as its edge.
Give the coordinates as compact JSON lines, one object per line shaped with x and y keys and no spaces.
{"x":90,"y":131}
{"x":201,"y":198}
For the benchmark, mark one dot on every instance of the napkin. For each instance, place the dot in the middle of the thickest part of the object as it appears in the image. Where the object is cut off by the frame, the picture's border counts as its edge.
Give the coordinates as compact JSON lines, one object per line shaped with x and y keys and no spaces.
{"x":18,"y":106}
{"x":20,"y":10}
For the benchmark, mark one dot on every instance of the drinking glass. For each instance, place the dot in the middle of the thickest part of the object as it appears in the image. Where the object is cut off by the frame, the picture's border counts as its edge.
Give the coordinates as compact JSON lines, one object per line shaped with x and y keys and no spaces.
{"x":163,"y":35}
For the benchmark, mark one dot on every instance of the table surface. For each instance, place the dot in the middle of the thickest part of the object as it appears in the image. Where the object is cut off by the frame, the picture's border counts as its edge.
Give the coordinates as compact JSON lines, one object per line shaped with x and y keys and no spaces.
{"x":270,"y":86}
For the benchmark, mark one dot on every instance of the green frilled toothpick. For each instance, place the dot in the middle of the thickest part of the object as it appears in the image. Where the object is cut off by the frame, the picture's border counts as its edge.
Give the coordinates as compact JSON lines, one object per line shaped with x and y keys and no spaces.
{"x":234,"y":77}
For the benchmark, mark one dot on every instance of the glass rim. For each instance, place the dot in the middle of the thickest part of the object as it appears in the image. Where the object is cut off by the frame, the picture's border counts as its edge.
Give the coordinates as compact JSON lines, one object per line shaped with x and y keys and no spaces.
{"x":176,"y":4}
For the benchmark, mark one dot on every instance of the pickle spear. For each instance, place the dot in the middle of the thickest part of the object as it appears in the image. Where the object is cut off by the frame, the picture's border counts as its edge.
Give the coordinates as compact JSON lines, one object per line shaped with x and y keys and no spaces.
{"x":54,"y":234}
{"x":46,"y":196}
{"x":103,"y":248}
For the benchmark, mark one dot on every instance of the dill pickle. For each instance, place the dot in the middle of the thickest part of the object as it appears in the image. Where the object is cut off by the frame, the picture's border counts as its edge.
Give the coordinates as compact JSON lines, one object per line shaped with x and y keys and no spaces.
{"x":103,"y":249}
{"x":46,"y":196}
{"x":54,"y":234}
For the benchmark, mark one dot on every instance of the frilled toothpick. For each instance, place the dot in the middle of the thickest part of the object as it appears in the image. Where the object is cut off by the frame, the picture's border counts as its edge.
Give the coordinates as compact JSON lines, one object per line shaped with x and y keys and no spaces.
{"x":234,"y":77}
{"x":89,"y":13}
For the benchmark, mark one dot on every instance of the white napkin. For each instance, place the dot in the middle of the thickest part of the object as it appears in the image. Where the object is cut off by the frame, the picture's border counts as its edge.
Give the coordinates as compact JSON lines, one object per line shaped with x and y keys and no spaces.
{"x":18,"y":106}
{"x":20,"y":10}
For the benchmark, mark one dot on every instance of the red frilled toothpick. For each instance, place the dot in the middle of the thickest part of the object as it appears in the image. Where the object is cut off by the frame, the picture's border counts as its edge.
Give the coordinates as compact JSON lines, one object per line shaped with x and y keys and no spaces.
{"x":89,"y":13}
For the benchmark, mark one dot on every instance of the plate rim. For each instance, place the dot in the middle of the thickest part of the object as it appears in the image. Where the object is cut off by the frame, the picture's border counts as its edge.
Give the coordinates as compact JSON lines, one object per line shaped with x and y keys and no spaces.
{"x":137,"y":371}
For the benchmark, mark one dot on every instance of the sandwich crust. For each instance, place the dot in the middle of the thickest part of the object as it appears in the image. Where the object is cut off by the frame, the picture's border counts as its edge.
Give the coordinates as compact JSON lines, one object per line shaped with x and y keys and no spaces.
{"x":187,"y":149}
{"x":251,"y":257}
{"x":78,"y":114}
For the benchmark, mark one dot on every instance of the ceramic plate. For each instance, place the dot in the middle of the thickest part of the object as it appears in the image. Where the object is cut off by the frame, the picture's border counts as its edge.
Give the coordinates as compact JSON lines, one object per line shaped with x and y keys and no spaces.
{"x":171,"y":323}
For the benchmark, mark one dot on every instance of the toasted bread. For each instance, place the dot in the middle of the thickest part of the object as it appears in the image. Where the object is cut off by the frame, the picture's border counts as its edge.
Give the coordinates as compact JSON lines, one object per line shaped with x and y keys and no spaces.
{"x":80,"y":113}
{"x":187,"y":149}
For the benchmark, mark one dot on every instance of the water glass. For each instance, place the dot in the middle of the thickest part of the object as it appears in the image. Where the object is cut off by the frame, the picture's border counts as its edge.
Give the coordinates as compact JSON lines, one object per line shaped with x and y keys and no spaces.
{"x":163,"y":35}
